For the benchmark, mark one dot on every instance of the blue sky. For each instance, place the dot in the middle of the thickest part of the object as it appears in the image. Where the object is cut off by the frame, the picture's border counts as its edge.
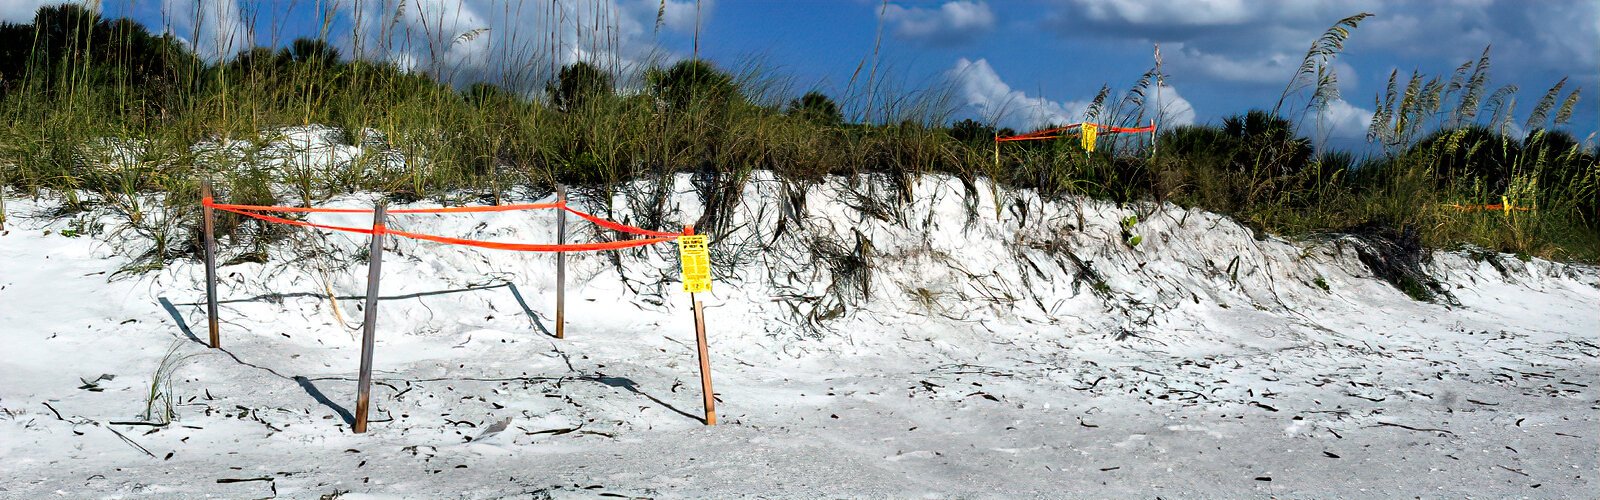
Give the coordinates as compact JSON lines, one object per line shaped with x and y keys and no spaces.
{"x":1020,"y":64}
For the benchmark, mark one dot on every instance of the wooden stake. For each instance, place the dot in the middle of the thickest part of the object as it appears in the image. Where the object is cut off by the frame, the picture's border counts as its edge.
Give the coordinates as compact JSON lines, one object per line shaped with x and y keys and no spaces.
{"x":370,"y":324}
{"x":561,"y":264}
{"x":997,"y":152}
{"x":211,"y":264}
{"x":994,"y":177}
{"x":705,"y":362}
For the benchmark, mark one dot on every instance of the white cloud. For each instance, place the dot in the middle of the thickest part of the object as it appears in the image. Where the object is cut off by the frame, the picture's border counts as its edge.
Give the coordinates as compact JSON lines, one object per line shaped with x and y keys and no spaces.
{"x":1266,"y":69}
{"x":213,"y":28}
{"x":21,"y":11}
{"x":511,"y":44}
{"x":1200,"y":13}
{"x":950,"y":24}
{"x":515,"y":44}
{"x":980,"y":88}
{"x":988,"y":97}
{"x":1271,"y":68}
{"x":1257,"y":42}
{"x":1262,"y":41}
{"x":1349,"y":80}
{"x":1551,"y":33}
{"x":1175,"y":110}
{"x":678,"y":15}
{"x":1345,"y":120}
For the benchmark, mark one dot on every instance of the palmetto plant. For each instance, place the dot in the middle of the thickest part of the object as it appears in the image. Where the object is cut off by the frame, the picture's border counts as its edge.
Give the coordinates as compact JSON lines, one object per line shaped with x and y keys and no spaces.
{"x":577,"y":84}
{"x":816,"y":107}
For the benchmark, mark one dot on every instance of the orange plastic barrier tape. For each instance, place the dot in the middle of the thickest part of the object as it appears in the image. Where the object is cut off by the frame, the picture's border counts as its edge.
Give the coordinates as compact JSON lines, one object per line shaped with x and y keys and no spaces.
{"x":441,"y":210}
{"x":494,"y":208}
{"x":263,"y":208}
{"x":1127,"y":130}
{"x":279,"y":220}
{"x":618,"y":226}
{"x":1495,"y":207}
{"x":485,"y":208}
{"x":1045,"y":134}
{"x":660,"y":237}
{"x":1038,"y":134}
{"x":535,"y":247}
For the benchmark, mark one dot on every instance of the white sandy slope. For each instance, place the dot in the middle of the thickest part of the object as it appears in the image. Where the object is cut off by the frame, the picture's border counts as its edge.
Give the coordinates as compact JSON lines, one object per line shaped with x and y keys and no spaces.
{"x":985,"y":362}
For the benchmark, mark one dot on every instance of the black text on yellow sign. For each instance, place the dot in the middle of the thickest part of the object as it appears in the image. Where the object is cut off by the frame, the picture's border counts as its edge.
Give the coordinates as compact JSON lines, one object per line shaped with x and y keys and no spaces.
{"x":695,"y":263}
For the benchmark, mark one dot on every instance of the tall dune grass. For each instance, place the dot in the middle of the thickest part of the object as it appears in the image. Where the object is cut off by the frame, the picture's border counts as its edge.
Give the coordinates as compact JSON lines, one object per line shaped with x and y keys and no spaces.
{"x":100,"y":112}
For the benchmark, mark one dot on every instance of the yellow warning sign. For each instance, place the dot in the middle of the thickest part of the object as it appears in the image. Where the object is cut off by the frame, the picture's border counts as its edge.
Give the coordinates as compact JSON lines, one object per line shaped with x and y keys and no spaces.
{"x":695,"y":263}
{"x":1090,"y":132}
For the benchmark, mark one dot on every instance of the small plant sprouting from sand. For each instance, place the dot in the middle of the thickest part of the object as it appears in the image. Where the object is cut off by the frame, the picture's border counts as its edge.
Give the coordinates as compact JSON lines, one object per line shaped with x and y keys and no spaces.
{"x":159,"y":403}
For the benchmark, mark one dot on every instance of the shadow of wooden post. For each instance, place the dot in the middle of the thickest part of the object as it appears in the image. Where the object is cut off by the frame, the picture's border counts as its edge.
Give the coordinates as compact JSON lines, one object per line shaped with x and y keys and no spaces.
{"x":370,"y":324}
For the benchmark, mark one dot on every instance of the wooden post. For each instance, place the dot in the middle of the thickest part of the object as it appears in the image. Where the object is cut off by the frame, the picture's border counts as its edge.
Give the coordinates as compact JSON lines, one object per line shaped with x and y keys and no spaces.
{"x":1154,"y":148}
{"x":211,"y":263}
{"x":997,"y":152}
{"x":561,"y":263}
{"x":994,"y":177}
{"x":705,"y":361}
{"x":370,"y":324}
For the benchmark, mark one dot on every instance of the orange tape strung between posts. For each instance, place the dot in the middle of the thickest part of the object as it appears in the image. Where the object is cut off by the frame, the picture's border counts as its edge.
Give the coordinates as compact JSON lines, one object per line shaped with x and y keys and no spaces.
{"x":1127,"y":130}
{"x":263,"y":208}
{"x":1487,"y":208}
{"x":656,"y":236}
{"x":442,"y":210}
{"x":379,"y":228}
{"x":485,"y":208}
{"x":1039,"y":134}
{"x":1043,"y":134}
{"x":618,"y":226}
{"x":280,"y":220}
{"x":493,"y":208}
{"x":535,"y":247}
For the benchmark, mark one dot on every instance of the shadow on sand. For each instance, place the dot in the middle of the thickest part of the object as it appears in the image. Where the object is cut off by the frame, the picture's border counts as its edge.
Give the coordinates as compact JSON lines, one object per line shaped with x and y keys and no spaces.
{"x":316,"y":394}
